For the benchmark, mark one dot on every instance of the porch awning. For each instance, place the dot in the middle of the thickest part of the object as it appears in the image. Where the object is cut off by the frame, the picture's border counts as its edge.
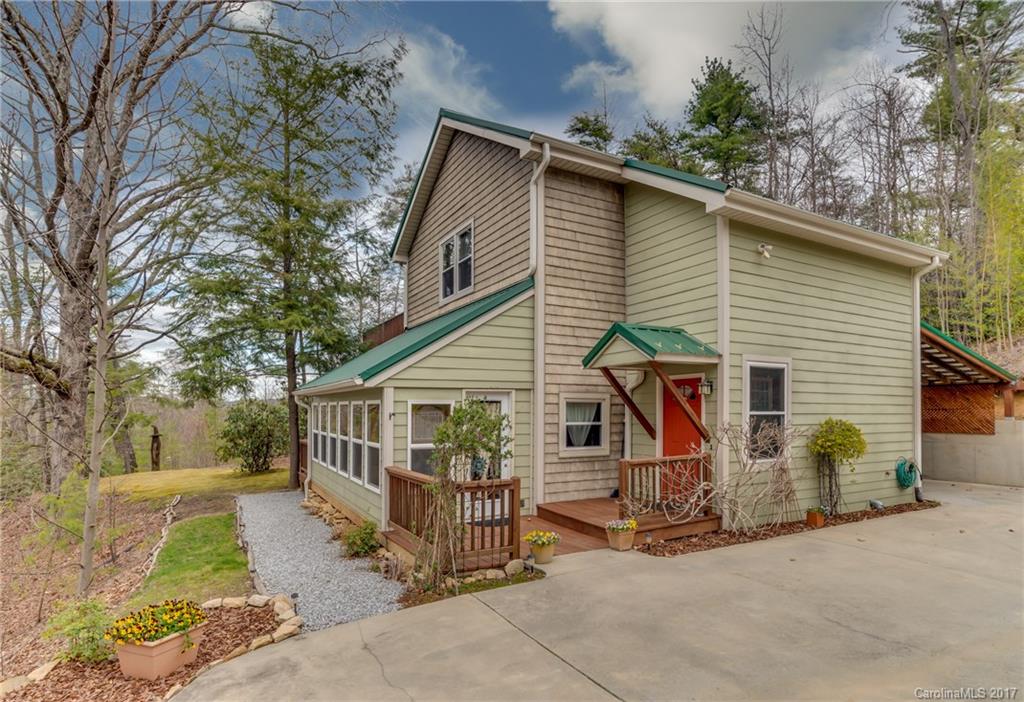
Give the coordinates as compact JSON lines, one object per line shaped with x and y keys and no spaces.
{"x":635,"y":345}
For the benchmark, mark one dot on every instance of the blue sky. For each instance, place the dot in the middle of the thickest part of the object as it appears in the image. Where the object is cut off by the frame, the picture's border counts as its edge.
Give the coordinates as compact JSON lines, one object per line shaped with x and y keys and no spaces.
{"x":533,"y":64}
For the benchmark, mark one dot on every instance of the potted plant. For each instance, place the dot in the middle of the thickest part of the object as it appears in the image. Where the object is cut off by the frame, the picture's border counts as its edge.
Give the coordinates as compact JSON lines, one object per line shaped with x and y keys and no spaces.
{"x":542,"y":544}
{"x":620,"y":533}
{"x":816,"y":517}
{"x":158,"y":639}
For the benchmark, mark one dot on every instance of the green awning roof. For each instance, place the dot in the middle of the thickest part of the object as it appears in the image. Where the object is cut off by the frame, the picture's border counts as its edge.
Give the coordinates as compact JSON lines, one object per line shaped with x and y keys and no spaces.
{"x":998,"y":370}
{"x":651,"y":341}
{"x":378,"y":359}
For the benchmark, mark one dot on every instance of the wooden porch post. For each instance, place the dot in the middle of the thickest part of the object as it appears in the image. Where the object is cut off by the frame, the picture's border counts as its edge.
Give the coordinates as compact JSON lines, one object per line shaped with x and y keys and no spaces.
{"x":680,"y":400}
{"x":628,"y":401}
{"x":1008,"y":400}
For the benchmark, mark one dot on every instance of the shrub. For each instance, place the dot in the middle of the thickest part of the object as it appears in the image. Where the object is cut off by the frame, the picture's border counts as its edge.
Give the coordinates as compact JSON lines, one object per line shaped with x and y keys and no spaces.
{"x":255,"y":432}
{"x":154,"y":622}
{"x":362,"y":540}
{"x":81,"y":624}
{"x":838,"y":441}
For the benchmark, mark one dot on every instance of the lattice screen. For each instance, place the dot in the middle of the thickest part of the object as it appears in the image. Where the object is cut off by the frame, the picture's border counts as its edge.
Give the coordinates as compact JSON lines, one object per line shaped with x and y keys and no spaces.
{"x":957,"y":409}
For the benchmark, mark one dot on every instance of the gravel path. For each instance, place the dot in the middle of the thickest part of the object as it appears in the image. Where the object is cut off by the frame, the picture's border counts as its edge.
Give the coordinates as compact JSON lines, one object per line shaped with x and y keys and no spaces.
{"x":294,"y":553}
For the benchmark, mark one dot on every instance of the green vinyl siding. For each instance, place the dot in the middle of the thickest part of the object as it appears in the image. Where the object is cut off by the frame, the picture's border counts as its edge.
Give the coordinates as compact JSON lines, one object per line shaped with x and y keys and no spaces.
{"x":497,"y":356}
{"x":671,"y":254}
{"x":362,"y":499}
{"x":845,"y":322}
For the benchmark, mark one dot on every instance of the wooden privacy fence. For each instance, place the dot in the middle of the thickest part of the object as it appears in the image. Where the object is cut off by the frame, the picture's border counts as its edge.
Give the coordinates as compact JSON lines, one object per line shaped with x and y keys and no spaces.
{"x":679,"y":486}
{"x":489,"y":509}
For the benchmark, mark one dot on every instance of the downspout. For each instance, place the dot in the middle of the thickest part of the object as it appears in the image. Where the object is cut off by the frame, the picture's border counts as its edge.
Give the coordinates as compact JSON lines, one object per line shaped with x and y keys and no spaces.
{"x":627,"y":417}
{"x":537,"y":270}
{"x":309,"y":468}
{"x":918,"y":274}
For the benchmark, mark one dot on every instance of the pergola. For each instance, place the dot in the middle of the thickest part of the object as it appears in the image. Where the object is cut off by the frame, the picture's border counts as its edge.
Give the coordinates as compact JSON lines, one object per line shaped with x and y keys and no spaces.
{"x":958,"y":385}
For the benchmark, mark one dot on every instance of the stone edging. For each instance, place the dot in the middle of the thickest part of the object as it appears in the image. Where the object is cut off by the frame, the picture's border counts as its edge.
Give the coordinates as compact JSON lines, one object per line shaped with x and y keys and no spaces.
{"x":155,"y":551}
{"x":254,"y":578}
{"x":289,"y":624}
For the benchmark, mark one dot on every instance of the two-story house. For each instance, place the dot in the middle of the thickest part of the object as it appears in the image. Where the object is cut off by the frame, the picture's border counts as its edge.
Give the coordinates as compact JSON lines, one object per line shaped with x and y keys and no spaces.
{"x":555,"y":282}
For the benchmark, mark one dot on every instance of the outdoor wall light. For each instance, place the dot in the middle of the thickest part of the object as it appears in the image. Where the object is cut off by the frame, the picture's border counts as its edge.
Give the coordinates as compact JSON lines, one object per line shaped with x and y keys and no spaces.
{"x":706,"y":387}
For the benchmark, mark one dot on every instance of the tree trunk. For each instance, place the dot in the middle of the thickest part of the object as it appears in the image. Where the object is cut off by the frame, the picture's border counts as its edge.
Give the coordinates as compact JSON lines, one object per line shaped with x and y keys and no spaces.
{"x":69,"y":411}
{"x":123,"y":435}
{"x":293,"y":412}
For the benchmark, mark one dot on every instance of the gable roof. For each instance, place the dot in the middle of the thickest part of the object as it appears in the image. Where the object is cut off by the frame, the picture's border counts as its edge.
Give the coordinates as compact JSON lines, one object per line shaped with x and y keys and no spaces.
{"x":651,"y":341}
{"x":719,"y":198}
{"x":380,"y":359}
{"x":945,"y":361}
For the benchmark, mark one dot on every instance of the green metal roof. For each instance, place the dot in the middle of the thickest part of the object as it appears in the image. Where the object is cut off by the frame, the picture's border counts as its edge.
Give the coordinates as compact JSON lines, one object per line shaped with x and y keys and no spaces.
{"x":681,"y":176}
{"x":970,"y":352}
{"x":633,"y":163}
{"x":651,"y":340}
{"x":378,"y":359}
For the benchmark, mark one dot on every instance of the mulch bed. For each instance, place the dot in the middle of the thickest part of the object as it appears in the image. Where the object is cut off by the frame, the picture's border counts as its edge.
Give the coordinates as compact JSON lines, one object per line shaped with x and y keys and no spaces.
{"x":706,"y":542}
{"x":414,"y":597}
{"x":81,"y":682}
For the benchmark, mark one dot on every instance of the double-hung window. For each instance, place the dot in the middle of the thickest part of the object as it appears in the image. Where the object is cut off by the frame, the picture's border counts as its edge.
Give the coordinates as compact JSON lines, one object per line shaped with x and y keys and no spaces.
{"x":332,"y":436}
{"x":356,"y":466}
{"x":766,"y":402}
{"x":584,"y":422}
{"x":457,"y":263}
{"x":424,"y":418}
{"x":343,"y":438}
{"x":323,"y":433}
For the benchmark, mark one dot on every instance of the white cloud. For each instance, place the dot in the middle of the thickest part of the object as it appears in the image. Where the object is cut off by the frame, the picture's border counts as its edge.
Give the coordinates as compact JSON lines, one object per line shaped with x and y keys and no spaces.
{"x":252,"y":15}
{"x":438,"y":72}
{"x":659,"y":48}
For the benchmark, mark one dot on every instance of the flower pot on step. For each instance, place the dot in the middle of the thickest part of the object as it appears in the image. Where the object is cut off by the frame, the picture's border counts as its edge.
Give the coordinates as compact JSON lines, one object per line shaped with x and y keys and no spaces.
{"x":620,"y":540}
{"x":542,"y":554}
{"x":815,"y":519}
{"x":155,"y":659}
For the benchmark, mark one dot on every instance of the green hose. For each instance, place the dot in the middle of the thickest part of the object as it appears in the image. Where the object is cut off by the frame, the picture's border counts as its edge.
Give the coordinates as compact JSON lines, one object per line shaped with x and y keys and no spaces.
{"x":906,"y":472}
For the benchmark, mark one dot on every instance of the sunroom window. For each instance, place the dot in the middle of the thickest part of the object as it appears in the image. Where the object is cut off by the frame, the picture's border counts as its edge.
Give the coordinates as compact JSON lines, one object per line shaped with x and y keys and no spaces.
{"x":457,"y":263}
{"x":424,"y":418}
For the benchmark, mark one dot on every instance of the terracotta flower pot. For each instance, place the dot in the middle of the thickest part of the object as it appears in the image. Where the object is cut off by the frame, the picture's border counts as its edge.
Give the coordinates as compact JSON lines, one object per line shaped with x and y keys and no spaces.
{"x":815,"y":519}
{"x":155,"y":659}
{"x":542,"y":554}
{"x":620,"y":540}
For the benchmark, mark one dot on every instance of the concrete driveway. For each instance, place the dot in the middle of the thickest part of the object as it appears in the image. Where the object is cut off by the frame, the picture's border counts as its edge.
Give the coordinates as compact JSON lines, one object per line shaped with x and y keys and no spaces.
{"x":889,"y":608}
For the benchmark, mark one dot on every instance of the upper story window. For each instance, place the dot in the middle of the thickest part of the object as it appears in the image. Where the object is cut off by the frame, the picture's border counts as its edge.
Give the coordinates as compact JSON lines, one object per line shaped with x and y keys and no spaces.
{"x":766,"y":401}
{"x":457,"y":263}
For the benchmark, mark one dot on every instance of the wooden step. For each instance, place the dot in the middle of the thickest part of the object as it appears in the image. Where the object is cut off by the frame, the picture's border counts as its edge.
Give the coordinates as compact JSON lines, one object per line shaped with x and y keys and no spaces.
{"x":589,"y":517}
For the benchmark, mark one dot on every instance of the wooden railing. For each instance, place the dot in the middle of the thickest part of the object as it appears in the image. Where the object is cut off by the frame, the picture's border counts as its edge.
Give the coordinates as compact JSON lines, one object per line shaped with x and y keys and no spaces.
{"x":678,"y":484}
{"x":490,"y":510}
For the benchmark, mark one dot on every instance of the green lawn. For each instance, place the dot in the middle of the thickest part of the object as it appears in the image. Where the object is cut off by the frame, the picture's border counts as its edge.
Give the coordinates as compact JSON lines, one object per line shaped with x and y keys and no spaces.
{"x":165,"y":484}
{"x":200,"y":561}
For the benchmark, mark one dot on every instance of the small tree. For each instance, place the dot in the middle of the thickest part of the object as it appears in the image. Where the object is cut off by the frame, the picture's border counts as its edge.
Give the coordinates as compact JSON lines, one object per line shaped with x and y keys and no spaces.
{"x":836,"y":441}
{"x":255,"y":432}
{"x":469,"y":445}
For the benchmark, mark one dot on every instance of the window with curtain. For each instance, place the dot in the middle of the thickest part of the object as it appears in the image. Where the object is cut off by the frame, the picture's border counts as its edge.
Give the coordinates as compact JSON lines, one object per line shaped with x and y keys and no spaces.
{"x":584,"y":424}
{"x":343,"y":438}
{"x":457,"y":263}
{"x":356,"y":439}
{"x":424,"y":419}
{"x":373,"y":444}
{"x":766,"y":403}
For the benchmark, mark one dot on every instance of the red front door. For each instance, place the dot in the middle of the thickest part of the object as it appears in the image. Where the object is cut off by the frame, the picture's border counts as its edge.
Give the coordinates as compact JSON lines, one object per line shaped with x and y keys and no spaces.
{"x":679,"y":436}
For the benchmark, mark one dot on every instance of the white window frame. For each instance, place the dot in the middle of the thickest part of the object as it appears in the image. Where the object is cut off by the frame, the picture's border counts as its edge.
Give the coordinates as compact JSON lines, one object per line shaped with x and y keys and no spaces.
{"x":344,"y":407}
{"x":332,"y":435}
{"x":454,"y":236}
{"x":768,"y":362}
{"x":352,"y":442}
{"x":370,"y":444}
{"x":409,"y":444}
{"x":314,"y":432}
{"x":584,"y":451}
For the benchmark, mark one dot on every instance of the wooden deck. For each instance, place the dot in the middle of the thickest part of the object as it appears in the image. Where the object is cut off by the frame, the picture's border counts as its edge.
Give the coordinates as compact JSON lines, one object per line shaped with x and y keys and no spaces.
{"x":572,"y":541}
{"x":588,"y":517}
